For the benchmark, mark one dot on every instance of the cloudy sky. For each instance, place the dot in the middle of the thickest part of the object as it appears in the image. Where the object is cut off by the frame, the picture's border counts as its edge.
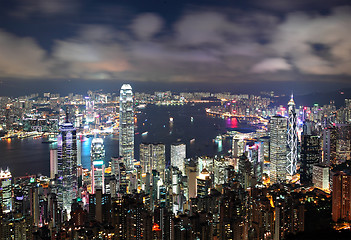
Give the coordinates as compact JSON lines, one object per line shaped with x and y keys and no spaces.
{"x":218,"y":42}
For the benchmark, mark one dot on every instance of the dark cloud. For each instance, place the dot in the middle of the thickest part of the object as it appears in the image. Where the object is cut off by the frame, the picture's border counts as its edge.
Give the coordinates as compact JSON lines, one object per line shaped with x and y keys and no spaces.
{"x":285,"y":6}
{"x":27,"y":8}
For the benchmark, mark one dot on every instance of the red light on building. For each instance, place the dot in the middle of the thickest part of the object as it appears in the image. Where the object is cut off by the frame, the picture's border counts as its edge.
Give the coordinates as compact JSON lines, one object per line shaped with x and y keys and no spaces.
{"x":156,"y":227}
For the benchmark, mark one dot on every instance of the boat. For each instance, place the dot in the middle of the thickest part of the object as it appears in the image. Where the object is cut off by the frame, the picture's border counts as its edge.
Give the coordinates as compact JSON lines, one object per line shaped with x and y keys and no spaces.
{"x":144,"y":133}
{"x":218,"y":138}
{"x":50,"y":138}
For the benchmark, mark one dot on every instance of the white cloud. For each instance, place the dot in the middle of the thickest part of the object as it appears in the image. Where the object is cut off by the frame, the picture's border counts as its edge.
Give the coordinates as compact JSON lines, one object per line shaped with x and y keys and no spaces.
{"x":89,"y":55}
{"x":147,"y":25}
{"x":271,"y":65}
{"x":297,"y":37}
{"x":22,"y":57}
{"x":202,"y":46}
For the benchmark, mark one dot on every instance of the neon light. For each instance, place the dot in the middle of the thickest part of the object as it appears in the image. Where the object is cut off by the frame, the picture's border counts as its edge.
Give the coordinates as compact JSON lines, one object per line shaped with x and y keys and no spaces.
{"x":95,"y":163}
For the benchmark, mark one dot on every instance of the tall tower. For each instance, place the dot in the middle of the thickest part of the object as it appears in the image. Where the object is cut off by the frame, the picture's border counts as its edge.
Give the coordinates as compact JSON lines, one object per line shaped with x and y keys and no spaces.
{"x":292,"y":138}
{"x":89,"y":109}
{"x":152,"y":157}
{"x":278,"y":149}
{"x":97,"y":165}
{"x":126,"y":126}
{"x":67,"y":165}
{"x":178,"y":154}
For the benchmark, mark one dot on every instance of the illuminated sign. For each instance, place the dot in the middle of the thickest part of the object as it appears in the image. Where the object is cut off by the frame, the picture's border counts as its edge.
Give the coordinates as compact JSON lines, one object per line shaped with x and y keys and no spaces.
{"x":95,"y":163}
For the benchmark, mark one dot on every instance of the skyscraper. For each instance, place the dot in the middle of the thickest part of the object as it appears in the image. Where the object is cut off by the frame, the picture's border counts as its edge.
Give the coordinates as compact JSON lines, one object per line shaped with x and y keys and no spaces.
{"x":278,"y":149}
{"x":159,"y":157}
{"x":126,"y":126}
{"x":5,"y":191}
{"x":341,"y":197}
{"x":67,"y":165}
{"x":89,"y":109}
{"x":292,"y":138}
{"x":178,"y":154}
{"x":53,"y":163}
{"x":310,"y":156}
{"x":152,"y":157}
{"x":145,"y":157}
{"x":97,"y":165}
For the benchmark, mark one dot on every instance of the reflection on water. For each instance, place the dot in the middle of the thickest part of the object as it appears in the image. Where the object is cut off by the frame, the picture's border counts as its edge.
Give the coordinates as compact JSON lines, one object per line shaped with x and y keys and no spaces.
{"x":190,"y":125}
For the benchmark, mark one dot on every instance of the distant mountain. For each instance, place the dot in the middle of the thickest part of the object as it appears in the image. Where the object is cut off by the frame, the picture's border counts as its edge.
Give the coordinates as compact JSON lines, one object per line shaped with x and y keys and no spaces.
{"x":321,"y":98}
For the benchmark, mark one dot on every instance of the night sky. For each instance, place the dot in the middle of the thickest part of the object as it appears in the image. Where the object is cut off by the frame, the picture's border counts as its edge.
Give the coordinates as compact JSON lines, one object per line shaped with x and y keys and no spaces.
{"x":75,"y":45}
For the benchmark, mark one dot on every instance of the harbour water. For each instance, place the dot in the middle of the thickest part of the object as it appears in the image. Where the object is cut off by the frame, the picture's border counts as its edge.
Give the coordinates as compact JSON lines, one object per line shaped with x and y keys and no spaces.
{"x":190,"y":125}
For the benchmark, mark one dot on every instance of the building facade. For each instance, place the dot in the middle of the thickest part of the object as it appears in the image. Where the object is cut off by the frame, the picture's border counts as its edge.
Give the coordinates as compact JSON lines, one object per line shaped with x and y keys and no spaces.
{"x":126,"y":126}
{"x":67,"y":166}
{"x":278,"y":149}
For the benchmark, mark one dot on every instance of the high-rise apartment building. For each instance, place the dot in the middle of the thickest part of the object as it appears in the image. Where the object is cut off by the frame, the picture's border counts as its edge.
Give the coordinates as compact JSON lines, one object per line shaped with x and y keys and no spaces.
{"x":321,"y":177}
{"x":178,"y":154}
{"x":292,"y":138}
{"x":67,"y":166}
{"x":126,"y":126}
{"x":341,"y":197}
{"x":278,"y":149}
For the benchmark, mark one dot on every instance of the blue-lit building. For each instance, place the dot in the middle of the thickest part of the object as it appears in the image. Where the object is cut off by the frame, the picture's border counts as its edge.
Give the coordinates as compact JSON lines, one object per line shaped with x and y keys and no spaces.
{"x":67,"y":166}
{"x":97,"y":165}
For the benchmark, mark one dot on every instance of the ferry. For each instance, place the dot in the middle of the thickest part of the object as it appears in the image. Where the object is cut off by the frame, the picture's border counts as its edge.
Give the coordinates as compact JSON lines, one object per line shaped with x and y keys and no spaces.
{"x":50,"y":138}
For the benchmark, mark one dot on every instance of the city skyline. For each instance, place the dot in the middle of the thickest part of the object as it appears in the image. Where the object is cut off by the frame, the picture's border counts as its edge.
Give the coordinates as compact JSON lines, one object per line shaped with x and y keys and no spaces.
{"x":175,"y":120}
{"x":232,"y":162}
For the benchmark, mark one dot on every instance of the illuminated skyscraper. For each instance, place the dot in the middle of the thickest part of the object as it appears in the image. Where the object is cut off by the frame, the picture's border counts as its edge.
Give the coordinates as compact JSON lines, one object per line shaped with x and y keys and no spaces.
{"x":53,"y":163}
{"x":159,"y":157}
{"x":67,"y":165}
{"x":292,"y":138}
{"x":310,"y":156}
{"x":126,"y":126}
{"x":5,"y":191}
{"x":89,"y":109}
{"x":178,"y":154}
{"x":341,"y":197}
{"x":97,"y":165}
{"x":278,"y":149}
{"x":145,"y":157}
{"x":203,"y":183}
{"x":152,"y":157}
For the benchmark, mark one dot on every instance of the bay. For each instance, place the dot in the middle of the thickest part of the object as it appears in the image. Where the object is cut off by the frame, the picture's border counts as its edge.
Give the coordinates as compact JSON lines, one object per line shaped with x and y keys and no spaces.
{"x":191,"y":125}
